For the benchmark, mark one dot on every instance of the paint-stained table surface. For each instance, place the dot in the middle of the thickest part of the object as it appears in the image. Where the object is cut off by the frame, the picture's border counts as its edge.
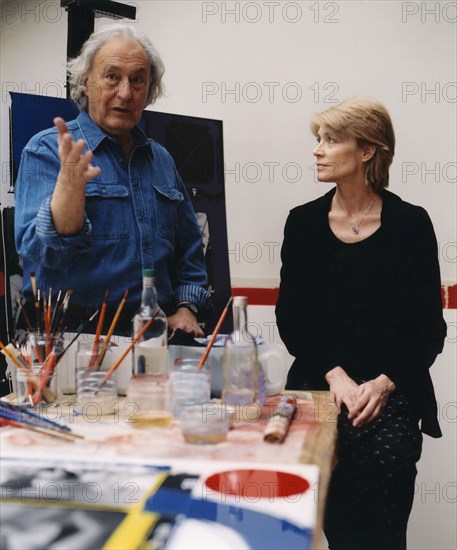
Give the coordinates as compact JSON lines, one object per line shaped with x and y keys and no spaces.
{"x":311,"y":440}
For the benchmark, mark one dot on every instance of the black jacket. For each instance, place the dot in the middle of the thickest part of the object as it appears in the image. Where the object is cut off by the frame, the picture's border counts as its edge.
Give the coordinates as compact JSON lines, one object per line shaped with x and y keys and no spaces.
{"x":373,"y":307}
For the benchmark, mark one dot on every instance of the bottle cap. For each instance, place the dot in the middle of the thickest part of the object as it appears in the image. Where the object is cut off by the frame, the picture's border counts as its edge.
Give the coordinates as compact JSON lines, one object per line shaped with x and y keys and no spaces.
{"x":240,"y":301}
{"x":148,"y":272}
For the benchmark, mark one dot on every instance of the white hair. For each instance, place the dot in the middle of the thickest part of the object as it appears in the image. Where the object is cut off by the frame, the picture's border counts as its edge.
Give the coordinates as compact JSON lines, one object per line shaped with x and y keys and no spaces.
{"x":79,"y":67}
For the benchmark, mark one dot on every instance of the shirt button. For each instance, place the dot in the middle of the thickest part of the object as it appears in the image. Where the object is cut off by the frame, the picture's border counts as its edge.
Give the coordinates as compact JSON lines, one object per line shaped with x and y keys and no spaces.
{"x":146,"y":247}
{"x":141,"y":218}
{"x":136,"y":186}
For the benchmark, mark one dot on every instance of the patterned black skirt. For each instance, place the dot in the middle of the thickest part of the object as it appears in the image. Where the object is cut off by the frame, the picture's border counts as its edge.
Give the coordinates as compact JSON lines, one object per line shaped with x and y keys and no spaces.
{"x":372,"y":487}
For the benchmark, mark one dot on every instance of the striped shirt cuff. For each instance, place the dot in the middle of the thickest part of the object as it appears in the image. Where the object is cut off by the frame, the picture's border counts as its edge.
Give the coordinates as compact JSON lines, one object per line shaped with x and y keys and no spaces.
{"x":45,"y":226}
{"x":195,"y":294}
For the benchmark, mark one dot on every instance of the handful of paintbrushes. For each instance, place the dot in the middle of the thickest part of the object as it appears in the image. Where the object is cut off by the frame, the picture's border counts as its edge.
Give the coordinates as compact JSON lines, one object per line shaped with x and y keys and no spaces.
{"x":37,"y":357}
{"x":43,"y":345}
{"x":11,"y":415}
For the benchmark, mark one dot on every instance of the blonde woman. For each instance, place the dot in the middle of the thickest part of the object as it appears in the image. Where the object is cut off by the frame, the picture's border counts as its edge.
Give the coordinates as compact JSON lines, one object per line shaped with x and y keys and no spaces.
{"x":360,"y":310}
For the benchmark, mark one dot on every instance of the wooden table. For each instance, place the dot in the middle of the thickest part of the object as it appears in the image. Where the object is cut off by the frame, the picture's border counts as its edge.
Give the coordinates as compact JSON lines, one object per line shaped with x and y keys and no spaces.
{"x":310,"y":441}
{"x":320,"y":449}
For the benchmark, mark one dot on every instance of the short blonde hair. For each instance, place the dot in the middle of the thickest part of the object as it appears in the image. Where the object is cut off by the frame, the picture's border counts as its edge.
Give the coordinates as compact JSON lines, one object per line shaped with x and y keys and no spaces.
{"x":369,"y":122}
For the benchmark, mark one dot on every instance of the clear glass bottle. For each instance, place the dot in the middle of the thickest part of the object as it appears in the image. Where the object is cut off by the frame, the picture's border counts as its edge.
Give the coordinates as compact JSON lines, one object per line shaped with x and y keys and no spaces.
{"x":150,"y":352}
{"x":242,"y":376}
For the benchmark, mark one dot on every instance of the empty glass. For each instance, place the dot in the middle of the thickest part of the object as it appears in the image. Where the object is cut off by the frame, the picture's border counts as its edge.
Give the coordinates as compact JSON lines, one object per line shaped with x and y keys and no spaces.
{"x":94,"y":395}
{"x":188,"y":385}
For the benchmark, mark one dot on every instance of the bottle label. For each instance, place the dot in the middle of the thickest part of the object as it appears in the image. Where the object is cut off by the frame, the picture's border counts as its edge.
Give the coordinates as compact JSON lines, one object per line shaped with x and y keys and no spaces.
{"x":148,"y":282}
{"x":262,"y":386}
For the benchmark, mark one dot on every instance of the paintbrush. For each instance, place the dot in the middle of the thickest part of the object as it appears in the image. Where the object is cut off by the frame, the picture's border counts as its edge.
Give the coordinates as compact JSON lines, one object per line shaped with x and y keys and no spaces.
{"x":126,"y":352}
{"x":19,"y":414}
{"x":49,"y":365}
{"x":101,"y":319}
{"x":98,"y":331}
{"x":101,"y":355}
{"x":38,"y":311}
{"x":30,"y":329}
{"x":47,"y":323}
{"x":216,"y":330}
{"x":56,"y":310}
{"x":46,"y":431}
{"x":15,"y":357}
{"x":29,"y":375}
{"x":24,"y":314}
{"x":63,"y":311}
{"x":46,"y":372}
{"x":78,"y":333}
{"x":35,"y":296}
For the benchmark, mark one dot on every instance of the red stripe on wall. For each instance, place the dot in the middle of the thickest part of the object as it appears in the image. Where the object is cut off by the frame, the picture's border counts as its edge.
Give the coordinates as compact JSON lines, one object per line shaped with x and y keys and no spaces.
{"x":258,"y":296}
{"x":452,"y":297}
{"x":269,"y":296}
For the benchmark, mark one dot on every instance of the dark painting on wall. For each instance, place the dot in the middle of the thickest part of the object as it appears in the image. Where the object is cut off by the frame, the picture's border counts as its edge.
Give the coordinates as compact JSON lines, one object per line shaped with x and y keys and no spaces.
{"x":196,"y":145}
{"x":197,"y":148}
{"x":29,"y":115}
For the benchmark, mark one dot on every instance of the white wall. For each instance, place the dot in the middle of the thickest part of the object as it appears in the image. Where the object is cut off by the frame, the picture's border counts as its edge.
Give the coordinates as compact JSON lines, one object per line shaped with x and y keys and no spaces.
{"x":339,"y":49}
{"x":283,"y":71}
{"x":283,"y":61}
{"x":433,"y":520}
{"x":33,"y":45}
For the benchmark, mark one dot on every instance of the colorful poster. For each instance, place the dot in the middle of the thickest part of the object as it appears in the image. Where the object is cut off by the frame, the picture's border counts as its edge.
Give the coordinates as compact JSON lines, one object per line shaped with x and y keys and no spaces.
{"x":175,"y":505}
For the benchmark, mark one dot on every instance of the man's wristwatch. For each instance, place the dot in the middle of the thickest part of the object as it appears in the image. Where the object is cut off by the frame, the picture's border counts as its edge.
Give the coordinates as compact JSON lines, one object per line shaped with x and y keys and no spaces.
{"x":188,"y":305}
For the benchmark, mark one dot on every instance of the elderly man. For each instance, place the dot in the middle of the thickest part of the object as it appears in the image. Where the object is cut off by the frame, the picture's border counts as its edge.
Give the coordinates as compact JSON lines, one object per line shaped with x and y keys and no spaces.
{"x":96,"y":201}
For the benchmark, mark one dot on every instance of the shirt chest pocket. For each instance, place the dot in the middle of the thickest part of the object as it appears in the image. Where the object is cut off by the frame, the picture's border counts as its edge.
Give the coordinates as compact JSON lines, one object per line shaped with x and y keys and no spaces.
{"x":167,"y":201}
{"x":108,"y":210}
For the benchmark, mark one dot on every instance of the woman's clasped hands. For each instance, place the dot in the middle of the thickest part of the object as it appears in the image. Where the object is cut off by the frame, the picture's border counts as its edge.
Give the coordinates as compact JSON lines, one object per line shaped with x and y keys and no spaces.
{"x":365,"y":402}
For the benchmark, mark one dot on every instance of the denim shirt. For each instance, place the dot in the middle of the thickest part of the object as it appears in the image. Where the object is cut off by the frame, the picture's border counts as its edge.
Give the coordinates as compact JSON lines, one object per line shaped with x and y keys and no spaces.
{"x":137,"y":215}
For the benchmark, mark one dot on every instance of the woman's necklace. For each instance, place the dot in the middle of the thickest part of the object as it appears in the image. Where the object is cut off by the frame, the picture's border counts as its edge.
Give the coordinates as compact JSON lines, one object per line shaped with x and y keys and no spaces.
{"x":356,"y":227}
